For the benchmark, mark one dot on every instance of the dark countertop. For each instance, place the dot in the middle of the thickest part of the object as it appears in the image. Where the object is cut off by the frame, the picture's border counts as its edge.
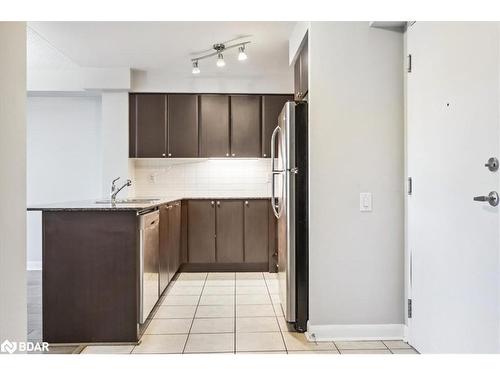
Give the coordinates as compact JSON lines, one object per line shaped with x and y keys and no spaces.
{"x":91,"y":205}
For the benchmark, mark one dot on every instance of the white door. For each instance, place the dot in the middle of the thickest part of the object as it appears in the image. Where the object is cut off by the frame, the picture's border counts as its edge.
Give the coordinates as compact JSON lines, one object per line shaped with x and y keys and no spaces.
{"x":452,"y":130}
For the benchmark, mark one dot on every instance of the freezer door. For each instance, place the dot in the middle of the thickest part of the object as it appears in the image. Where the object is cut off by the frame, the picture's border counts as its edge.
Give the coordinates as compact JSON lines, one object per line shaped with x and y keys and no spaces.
{"x":286,"y":220}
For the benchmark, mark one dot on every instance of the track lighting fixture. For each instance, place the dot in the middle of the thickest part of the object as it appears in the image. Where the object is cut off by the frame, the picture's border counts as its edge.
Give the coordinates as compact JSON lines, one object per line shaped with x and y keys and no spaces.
{"x":219,"y":49}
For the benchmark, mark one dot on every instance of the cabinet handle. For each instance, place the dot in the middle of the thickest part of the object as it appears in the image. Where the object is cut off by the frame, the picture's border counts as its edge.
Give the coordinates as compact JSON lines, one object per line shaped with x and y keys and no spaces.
{"x":227,"y":154}
{"x":246,"y":203}
{"x":265,"y":155}
{"x":212,"y":203}
{"x":163,"y":155}
{"x":218,"y":203}
{"x":169,"y":154}
{"x":233,"y":155}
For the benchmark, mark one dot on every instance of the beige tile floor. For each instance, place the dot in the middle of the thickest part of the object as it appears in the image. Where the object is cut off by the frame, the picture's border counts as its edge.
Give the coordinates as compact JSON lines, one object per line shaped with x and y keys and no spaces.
{"x":232,"y":313}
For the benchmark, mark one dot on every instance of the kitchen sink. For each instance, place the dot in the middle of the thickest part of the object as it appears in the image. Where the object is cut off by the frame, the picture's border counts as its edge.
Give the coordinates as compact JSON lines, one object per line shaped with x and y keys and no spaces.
{"x":129,"y":201}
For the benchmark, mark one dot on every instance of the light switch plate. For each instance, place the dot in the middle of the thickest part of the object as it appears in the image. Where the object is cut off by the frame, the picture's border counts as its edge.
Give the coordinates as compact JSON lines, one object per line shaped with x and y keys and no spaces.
{"x":365,"y":202}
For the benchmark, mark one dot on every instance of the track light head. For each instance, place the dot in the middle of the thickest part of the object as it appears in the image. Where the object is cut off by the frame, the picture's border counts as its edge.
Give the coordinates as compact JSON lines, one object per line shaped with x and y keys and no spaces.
{"x":195,"y":70}
{"x":242,"y":56}
{"x":220,"y":60}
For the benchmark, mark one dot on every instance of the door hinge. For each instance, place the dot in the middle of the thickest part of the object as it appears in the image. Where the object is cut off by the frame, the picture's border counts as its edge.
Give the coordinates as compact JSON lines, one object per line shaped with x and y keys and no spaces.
{"x":410,"y":185}
{"x":409,"y":66}
{"x":410,"y":309}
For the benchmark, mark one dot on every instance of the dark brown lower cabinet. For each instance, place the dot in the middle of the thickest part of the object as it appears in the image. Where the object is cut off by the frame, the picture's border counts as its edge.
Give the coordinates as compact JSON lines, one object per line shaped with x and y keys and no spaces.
{"x":229,"y":231}
{"x":229,"y":235}
{"x":201,"y":231}
{"x":174,"y":235}
{"x":164,"y":247}
{"x":256,"y":231}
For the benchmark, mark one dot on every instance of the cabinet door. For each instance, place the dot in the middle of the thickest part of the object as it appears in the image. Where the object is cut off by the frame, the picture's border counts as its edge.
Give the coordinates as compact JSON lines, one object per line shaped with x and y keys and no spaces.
{"x":229,"y":231}
{"x":132,"y":153}
{"x":296,"y":78}
{"x":214,"y":125}
{"x":150,"y":125}
{"x":304,"y":69}
{"x":201,"y":231}
{"x":174,"y":221}
{"x":256,"y":231}
{"x":164,"y":247}
{"x":273,"y":239}
{"x":271,"y":109}
{"x":182,"y":126}
{"x":245,"y":126}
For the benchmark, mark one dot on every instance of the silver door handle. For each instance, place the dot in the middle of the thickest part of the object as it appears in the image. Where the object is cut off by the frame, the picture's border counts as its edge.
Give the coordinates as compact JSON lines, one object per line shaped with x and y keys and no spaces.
{"x":273,"y":138}
{"x":491,"y":198}
{"x":274,"y":172}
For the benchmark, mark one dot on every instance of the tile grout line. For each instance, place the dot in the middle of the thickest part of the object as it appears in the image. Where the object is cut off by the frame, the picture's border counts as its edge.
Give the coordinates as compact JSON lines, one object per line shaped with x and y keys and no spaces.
{"x":194,"y":316}
{"x":276,"y":316}
{"x":387,"y":346}
{"x":234,"y":310}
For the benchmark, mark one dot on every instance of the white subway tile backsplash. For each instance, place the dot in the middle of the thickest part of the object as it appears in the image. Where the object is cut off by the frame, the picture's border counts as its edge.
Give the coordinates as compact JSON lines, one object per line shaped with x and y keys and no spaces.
{"x":203,"y":177}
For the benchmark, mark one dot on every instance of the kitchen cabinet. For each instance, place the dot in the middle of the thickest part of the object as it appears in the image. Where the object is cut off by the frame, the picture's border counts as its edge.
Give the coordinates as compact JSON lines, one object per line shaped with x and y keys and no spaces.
{"x":229,"y":231}
{"x":273,"y":239}
{"x":170,"y":242}
{"x":182,"y":126}
{"x":164,"y":247}
{"x":174,"y":235}
{"x":301,"y":71}
{"x":230,"y":235}
{"x":148,"y":125}
{"x":214,"y":126}
{"x":256,"y":231}
{"x":201,"y":231}
{"x":245,"y":126}
{"x":271,"y":109}
{"x":206,"y":125}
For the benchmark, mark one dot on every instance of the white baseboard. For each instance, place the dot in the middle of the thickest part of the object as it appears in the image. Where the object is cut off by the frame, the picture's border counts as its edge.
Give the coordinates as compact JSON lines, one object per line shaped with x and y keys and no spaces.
{"x":34,"y":266}
{"x":355,"y":332}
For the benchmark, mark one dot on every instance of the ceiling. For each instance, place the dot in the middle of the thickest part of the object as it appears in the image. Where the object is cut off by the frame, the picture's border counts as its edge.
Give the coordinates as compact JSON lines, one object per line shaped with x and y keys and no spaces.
{"x":161,"y":45}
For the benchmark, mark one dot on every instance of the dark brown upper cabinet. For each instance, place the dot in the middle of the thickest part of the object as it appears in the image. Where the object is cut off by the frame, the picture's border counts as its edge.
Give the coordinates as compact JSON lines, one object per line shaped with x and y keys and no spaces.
{"x":229,"y":239}
{"x":202,"y":125}
{"x":201,"y":231}
{"x":301,"y":71}
{"x":182,"y":126}
{"x":271,"y":109}
{"x":245,"y":126}
{"x":148,"y":133}
{"x":214,"y":126}
{"x":256,"y":231}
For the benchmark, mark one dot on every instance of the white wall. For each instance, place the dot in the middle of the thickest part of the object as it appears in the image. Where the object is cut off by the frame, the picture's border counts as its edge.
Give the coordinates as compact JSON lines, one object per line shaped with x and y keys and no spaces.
{"x":64,"y":156}
{"x":356,"y":145}
{"x":281,"y":82}
{"x":203,"y":178}
{"x":13,"y":312}
{"x":115,"y":135}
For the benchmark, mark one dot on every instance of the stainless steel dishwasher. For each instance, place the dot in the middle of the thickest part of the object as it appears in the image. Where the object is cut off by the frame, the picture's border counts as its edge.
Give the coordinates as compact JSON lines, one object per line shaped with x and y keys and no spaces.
{"x":149,"y":276}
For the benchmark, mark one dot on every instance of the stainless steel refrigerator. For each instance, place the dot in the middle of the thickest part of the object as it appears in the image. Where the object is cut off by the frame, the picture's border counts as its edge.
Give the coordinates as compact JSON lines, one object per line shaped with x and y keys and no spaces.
{"x":289,"y":151}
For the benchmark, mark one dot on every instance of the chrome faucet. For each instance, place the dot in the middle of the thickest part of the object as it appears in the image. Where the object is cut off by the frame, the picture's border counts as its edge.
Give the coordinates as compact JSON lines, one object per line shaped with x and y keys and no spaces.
{"x":115,"y":190}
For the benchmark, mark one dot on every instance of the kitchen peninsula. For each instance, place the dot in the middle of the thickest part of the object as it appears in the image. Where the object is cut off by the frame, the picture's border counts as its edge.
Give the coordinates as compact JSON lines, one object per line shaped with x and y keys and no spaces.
{"x":106,"y":266}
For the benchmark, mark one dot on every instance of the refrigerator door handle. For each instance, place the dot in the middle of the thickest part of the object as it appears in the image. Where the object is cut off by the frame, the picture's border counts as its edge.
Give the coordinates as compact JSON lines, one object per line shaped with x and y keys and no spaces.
{"x":273,"y":139}
{"x":274,"y":172}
